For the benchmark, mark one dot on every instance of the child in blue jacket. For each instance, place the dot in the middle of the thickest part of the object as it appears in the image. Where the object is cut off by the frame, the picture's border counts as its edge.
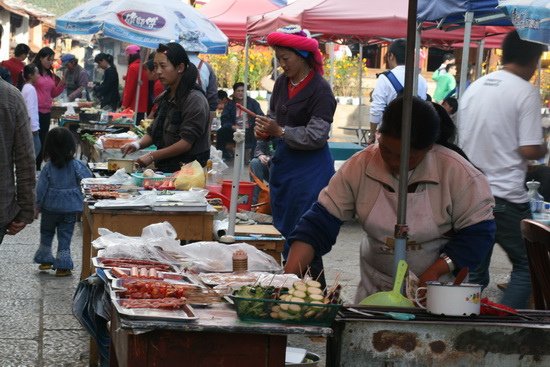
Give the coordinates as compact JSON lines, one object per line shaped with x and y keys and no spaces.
{"x":59,"y":199}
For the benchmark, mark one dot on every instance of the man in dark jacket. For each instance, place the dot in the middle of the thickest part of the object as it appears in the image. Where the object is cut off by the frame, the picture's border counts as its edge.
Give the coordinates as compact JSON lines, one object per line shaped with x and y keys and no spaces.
{"x":232,"y":119}
{"x":76,"y":78}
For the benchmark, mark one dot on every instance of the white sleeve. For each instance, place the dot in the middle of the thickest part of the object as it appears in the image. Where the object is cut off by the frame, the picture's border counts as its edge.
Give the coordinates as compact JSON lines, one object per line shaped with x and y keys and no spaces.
{"x":382,"y":95}
{"x":530,"y":124}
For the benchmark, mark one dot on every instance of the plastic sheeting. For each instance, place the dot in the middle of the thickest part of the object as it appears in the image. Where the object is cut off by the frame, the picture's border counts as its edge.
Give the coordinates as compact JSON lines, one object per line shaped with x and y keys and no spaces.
{"x":453,"y":11}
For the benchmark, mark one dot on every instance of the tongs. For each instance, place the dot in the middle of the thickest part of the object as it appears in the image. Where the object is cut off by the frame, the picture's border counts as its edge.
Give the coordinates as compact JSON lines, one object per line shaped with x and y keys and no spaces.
{"x":394,"y":315}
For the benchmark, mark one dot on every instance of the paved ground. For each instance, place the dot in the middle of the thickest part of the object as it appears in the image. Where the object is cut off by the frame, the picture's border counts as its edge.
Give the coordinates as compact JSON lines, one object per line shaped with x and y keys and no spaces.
{"x":36,"y":324}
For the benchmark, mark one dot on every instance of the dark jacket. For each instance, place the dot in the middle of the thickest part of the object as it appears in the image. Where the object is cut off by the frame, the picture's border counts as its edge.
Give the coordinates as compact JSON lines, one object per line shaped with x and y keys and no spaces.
{"x":315,"y":100}
{"x":188,"y":121}
{"x":229,"y":119}
{"x":107,"y":91}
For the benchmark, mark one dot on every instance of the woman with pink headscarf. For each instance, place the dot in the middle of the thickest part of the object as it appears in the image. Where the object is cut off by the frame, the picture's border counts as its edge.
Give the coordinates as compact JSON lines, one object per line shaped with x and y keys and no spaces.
{"x":301,"y":110}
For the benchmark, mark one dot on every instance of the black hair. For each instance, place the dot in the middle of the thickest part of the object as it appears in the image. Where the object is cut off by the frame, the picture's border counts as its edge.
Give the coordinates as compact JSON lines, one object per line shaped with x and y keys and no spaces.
{"x":448,"y":57}
{"x":424,"y":122}
{"x":238,"y":85}
{"x":59,"y":146}
{"x":28,"y":71}
{"x":21,"y":49}
{"x":453,"y":103}
{"x":398,"y":48}
{"x":150,"y":65}
{"x":1,"y":30}
{"x":103,"y":56}
{"x":449,"y":66}
{"x":44,"y":52}
{"x":176,"y":55}
{"x":133,"y":57}
{"x":222,"y":94}
{"x":447,"y":134}
{"x":517,"y":51}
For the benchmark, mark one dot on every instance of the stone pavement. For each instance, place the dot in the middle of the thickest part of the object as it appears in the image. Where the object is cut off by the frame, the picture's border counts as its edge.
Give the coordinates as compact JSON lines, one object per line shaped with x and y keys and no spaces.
{"x":37,"y":327}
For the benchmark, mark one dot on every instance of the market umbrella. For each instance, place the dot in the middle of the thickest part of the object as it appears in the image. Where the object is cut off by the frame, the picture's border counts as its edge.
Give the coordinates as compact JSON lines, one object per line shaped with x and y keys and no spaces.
{"x":143,"y":22}
{"x":530,"y":17}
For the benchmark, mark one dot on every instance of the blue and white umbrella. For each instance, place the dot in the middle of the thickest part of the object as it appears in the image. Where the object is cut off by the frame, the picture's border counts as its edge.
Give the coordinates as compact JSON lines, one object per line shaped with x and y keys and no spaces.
{"x":145,"y":23}
{"x":530,"y":17}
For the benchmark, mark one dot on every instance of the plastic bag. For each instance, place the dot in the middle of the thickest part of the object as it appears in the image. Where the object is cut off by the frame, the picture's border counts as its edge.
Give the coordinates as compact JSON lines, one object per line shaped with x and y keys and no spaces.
{"x":156,"y":235}
{"x":120,"y":177}
{"x":218,"y":257}
{"x":190,"y":175}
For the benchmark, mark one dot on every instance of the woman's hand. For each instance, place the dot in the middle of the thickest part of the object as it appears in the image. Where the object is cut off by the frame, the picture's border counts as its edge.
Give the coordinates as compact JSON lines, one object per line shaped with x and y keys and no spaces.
{"x":129,"y":148}
{"x":266,"y":127}
{"x":145,"y":160}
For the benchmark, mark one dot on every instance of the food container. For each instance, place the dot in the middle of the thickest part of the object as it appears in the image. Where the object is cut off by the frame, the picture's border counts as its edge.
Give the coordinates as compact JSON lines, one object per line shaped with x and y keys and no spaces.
{"x":261,"y":310}
{"x":115,"y":143}
{"x":87,"y":117}
{"x":448,"y":299}
{"x":143,"y":181}
{"x":114,"y":164}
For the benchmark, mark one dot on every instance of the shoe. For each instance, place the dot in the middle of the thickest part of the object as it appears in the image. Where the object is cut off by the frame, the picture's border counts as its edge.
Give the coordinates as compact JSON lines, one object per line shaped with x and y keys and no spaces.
{"x":62,"y":272}
{"x":44,"y":267}
{"x":502,"y":286}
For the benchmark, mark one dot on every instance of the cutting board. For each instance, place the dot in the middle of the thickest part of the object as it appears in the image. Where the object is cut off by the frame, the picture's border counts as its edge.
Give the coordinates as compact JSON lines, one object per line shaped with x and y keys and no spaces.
{"x":263,"y":229}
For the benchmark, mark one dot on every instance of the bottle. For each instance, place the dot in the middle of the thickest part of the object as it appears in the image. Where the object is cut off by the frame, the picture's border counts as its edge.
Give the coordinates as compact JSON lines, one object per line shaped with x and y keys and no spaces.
{"x":214,"y":178}
{"x":240,"y":261}
{"x":536,"y":200}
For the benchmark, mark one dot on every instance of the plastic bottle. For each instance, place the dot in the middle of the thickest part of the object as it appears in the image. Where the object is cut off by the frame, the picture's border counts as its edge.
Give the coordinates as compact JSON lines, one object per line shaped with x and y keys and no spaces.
{"x":535,"y":198}
{"x":214,"y":178}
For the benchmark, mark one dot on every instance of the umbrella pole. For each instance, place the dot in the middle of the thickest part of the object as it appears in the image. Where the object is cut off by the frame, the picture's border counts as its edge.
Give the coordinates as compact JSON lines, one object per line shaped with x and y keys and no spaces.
{"x":480,"y":49}
{"x":417,"y":47}
{"x":140,"y":71}
{"x":469,"y":18}
{"x":401,"y":228}
{"x":360,"y":84}
{"x":239,"y":137}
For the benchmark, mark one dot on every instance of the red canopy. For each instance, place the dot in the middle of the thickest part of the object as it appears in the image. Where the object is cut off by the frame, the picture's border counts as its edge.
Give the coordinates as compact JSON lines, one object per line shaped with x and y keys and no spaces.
{"x":364,"y":20}
{"x":230,"y":15}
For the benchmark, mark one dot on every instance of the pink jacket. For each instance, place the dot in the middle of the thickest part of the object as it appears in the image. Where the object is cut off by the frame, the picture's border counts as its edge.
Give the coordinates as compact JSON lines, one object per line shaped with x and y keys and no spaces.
{"x":47,"y":90}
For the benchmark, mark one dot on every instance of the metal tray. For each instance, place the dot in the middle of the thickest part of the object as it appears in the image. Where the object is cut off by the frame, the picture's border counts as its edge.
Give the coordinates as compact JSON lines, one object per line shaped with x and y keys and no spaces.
{"x":96,"y":262}
{"x":184,"y":314}
{"x":171,"y":276}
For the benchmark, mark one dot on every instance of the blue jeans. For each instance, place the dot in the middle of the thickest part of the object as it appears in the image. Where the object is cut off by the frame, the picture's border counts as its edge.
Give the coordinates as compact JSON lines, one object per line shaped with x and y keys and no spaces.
{"x":262,"y":172}
{"x":64,"y":223}
{"x":37,"y":144}
{"x":508,"y":217}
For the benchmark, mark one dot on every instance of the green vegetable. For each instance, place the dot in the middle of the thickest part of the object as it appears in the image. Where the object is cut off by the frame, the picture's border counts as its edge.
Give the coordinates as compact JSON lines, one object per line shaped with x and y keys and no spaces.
{"x":88,"y":138}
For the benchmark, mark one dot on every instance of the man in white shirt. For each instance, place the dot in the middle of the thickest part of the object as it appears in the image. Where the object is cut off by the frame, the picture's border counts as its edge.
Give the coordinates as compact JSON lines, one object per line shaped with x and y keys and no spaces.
{"x":500,"y":130}
{"x":390,"y":84}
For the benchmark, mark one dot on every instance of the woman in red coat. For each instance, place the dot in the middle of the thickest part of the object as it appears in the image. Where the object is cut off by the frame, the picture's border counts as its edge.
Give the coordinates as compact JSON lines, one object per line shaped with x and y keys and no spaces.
{"x":130,"y":87}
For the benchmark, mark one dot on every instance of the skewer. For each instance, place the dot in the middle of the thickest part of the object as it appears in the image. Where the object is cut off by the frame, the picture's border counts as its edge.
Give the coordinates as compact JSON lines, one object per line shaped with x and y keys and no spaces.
{"x":321,"y":273}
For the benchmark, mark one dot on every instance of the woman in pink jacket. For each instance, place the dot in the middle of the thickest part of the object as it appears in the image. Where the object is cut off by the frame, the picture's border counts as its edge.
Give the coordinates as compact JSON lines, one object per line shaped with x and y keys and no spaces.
{"x":47,"y":88}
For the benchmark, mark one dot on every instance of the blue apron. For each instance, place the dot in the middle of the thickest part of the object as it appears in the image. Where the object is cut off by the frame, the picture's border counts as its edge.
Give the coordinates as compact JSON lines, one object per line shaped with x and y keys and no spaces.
{"x":295,"y":180}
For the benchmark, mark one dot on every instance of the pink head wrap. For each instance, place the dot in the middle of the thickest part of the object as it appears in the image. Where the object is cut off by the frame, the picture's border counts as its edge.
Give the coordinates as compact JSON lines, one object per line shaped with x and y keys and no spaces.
{"x":131,"y":50}
{"x":300,"y":41}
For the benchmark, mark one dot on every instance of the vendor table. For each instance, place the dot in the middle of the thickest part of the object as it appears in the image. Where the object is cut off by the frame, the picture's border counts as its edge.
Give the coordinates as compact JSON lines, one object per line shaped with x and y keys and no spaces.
{"x":362,"y":133}
{"x":342,"y":151}
{"x":273,"y":246}
{"x":217,"y":338}
{"x":190,"y":226}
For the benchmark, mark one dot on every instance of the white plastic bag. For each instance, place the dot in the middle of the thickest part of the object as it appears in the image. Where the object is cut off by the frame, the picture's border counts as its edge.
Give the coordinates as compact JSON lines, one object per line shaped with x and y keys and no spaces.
{"x":218,"y":257}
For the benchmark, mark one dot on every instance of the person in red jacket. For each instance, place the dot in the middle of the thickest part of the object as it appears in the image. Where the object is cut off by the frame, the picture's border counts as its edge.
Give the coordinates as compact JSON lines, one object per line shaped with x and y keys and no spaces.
{"x":130,"y":87}
{"x":16,"y":64}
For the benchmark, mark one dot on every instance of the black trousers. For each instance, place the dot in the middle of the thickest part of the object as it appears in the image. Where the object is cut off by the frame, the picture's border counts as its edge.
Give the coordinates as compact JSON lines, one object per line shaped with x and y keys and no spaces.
{"x":44,"y":119}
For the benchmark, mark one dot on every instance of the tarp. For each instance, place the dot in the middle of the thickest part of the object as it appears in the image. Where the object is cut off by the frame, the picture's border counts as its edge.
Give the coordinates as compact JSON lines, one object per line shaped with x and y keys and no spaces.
{"x":530,"y":17}
{"x":363,"y":20}
{"x":230,"y":15}
{"x":452,"y":11}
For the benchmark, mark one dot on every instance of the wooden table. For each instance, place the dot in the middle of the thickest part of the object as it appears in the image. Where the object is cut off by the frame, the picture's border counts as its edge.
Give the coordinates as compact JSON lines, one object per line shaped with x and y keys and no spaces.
{"x":217,"y":338}
{"x":190,"y":226}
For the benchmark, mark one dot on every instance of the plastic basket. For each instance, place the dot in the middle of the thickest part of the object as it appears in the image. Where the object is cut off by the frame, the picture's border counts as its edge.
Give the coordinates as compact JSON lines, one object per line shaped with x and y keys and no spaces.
{"x":139,"y":180}
{"x":115,"y":143}
{"x":261,"y":310}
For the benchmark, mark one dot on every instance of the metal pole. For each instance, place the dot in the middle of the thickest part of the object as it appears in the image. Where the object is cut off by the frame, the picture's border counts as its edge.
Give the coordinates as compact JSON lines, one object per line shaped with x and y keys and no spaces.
{"x":469,"y":18}
{"x":239,"y":151}
{"x":331,"y":54}
{"x":360,"y":85}
{"x":480,"y":49}
{"x":401,"y":228}
{"x":417,"y":47}
{"x":140,"y":71}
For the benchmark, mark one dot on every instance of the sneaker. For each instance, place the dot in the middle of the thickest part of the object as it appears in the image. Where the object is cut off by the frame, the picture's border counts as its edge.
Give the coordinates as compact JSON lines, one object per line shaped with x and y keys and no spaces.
{"x":44,"y":267}
{"x":62,"y":272}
